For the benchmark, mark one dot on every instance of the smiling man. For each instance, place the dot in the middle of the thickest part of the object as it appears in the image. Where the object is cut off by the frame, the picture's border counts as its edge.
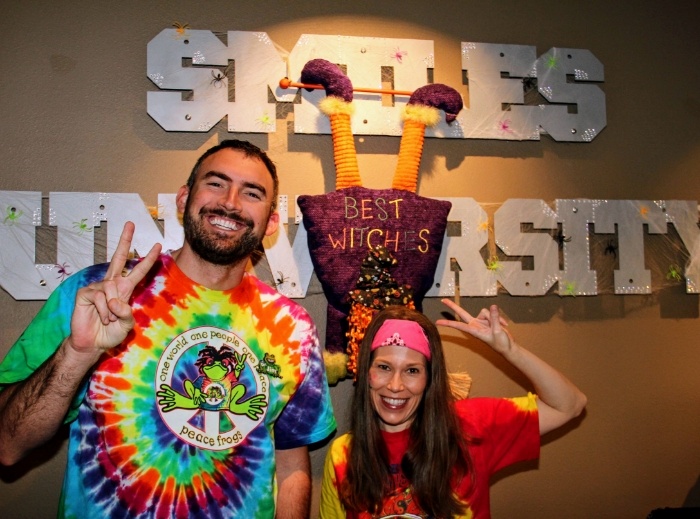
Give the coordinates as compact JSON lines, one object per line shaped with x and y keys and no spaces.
{"x":192,"y":388}
{"x":228,"y":207}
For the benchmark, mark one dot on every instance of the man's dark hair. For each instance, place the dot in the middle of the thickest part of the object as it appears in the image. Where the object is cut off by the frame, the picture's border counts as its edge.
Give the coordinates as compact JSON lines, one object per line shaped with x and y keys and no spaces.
{"x":250,"y":151}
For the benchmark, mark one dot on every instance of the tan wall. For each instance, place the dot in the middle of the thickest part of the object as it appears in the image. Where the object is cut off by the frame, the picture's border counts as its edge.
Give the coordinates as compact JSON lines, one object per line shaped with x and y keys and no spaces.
{"x":73,"y":118}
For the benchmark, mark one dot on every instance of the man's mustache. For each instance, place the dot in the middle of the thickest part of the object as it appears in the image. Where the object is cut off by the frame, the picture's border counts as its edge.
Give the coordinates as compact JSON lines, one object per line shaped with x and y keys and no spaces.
{"x":231,"y":215}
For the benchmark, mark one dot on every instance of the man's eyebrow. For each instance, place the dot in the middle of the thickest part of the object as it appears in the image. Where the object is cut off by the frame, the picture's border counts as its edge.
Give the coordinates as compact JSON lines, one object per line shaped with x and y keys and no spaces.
{"x":247,"y":184}
{"x":216,"y":174}
{"x":256,"y":186}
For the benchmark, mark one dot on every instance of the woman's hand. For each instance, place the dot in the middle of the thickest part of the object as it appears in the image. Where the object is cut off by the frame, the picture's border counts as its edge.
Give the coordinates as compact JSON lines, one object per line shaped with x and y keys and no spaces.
{"x":488,"y":326}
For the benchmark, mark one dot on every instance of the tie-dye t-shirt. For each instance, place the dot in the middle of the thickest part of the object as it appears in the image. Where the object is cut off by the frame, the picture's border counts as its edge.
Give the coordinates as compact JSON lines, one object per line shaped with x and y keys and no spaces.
{"x":506,"y":431}
{"x":182,"y":419}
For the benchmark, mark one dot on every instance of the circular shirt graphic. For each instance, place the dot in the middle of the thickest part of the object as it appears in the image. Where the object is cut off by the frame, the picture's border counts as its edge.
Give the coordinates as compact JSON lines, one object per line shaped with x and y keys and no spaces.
{"x":209,"y":392}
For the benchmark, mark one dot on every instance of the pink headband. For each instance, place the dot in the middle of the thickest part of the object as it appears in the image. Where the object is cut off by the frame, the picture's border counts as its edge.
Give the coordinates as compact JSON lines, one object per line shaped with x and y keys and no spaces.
{"x":401,"y":332}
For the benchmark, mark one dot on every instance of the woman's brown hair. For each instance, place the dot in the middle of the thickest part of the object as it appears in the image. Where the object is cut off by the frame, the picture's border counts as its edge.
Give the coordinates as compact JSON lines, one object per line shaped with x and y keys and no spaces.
{"x":436,"y":446}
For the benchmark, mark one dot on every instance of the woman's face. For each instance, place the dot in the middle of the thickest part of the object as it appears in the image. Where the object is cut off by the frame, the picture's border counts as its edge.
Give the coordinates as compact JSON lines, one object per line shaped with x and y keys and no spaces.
{"x":397,"y":378}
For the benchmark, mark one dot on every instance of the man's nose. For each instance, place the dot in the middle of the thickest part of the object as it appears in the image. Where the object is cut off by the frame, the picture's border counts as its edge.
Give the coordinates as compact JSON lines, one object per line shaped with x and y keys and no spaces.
{"x":232,"y":200}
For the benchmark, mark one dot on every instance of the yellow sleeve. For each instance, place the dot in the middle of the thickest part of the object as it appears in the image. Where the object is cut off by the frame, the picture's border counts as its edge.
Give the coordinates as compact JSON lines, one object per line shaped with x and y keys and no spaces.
{"x":331,"y":507}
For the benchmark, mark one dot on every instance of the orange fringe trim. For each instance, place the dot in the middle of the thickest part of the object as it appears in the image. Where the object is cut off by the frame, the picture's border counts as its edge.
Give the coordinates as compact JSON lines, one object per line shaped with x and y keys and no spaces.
{"x":359,"y":319}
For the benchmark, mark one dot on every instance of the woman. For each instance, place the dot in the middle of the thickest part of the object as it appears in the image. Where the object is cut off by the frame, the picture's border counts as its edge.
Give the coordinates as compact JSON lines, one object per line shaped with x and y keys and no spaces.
{"x":412,"y":450}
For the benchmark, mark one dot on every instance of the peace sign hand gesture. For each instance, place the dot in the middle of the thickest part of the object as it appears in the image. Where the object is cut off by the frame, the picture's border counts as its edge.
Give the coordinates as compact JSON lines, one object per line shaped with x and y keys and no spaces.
{"x":488,"y":326}
{"x":102,"y":317}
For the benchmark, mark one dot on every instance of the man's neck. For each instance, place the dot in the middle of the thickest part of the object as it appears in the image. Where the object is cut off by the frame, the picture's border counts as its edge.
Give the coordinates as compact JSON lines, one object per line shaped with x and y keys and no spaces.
{"x":215,"y":277}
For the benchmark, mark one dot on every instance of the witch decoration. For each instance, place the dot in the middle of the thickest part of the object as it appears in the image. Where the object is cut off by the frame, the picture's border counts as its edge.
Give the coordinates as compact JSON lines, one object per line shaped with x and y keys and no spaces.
{"x":356,"y":234}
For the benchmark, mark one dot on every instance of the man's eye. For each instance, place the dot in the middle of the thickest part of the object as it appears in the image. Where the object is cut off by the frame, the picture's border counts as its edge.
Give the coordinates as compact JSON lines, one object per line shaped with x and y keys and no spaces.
{"x":255,"y":194}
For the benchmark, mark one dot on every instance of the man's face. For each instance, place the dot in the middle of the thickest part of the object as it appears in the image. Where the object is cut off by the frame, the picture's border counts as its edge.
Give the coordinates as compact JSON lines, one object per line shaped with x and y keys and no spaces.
{"x":227,"y":212}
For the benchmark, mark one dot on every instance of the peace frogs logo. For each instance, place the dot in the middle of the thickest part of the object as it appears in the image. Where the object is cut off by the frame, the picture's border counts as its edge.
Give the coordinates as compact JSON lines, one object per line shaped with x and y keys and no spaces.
{"x":212,"y":394}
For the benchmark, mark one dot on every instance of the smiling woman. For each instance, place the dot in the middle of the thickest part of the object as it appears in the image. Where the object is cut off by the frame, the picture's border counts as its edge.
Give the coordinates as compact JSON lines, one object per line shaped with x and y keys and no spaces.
{"x":398,"y":374}
{"x":409,"y":430}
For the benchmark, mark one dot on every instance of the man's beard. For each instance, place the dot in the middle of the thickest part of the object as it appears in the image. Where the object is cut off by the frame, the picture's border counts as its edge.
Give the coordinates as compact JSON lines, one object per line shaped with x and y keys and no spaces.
{"x":217,"y":250}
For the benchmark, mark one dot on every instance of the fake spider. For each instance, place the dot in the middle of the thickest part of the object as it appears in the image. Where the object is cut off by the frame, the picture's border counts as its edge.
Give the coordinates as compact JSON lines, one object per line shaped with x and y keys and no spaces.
{"x":484,"y":226}
{"x":155,"y":210}
{"x":504,"y":126}
{"x":674,"y":272}
{"x":181,"y":28}
{"x":281,"y":280}
{"x":82,"y":227}
{"x":570,"y":288}
{"x":219,"y":79}
{"x":399,"y":54}
{"x":264,"y":120}
{"x":529,"y":83}
{"x":611,"y":248}
{"x":561,"y":239}
{"x":493,"y":264}
{"x":62,"y":270}
{"x":552,"y":61}
{"x":12,"y":215}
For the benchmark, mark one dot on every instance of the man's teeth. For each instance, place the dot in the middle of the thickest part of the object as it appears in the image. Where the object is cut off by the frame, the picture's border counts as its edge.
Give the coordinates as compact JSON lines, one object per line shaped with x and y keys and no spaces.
{"x":226,"y":224}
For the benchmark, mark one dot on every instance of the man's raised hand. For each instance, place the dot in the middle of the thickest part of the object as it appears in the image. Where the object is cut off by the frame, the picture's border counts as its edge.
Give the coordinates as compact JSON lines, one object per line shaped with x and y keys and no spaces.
{"x":102,"y":316}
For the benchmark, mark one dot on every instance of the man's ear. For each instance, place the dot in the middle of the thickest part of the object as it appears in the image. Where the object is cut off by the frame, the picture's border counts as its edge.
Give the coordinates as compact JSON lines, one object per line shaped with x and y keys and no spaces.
{"x":181,"y":199}
{"x":272,"y":224}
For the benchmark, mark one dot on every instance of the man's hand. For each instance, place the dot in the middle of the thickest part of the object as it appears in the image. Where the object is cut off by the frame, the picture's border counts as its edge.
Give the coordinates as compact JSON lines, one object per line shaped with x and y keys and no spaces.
{"x":31,"y":411}
{"x":102,"y":317}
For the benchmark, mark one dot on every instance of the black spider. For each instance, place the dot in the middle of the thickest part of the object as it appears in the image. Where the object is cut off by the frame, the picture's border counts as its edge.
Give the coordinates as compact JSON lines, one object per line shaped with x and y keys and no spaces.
{"x":529,"y":83}
{"x":611,"y":249}
{"x":561,"y":239}
{"x":281,"y":280}
{"x":219,"y":79}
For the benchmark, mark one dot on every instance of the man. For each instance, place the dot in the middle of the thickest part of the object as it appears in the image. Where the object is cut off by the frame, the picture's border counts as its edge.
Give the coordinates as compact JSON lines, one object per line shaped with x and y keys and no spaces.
{"x":193,"y":388}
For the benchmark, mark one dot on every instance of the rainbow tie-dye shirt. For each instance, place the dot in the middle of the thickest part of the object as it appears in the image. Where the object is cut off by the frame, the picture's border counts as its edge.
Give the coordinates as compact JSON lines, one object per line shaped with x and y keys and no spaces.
{"x":183,"y":418}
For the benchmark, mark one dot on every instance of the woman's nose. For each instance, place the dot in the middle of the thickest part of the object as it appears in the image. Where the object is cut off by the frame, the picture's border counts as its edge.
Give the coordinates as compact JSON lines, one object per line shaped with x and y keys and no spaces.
{"x":396,"y":382}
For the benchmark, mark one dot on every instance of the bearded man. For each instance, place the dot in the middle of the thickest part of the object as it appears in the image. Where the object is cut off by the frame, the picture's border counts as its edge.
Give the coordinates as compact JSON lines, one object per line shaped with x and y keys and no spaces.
{"x":116,"y":347}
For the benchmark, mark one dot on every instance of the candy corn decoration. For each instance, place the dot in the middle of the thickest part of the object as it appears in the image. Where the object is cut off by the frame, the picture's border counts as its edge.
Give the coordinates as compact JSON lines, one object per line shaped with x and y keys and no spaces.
{"x":375,"y":289}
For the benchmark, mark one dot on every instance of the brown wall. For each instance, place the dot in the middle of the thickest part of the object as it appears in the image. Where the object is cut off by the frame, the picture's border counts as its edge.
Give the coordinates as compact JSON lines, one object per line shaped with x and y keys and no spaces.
{"x":73,"y":118}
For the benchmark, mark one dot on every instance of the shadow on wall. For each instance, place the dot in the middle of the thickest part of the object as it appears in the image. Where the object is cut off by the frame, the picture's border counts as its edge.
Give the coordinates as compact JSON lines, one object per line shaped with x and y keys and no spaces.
{"x":40,"y":456}
{"x":693,"y":497}
{"x":690,"y":508}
